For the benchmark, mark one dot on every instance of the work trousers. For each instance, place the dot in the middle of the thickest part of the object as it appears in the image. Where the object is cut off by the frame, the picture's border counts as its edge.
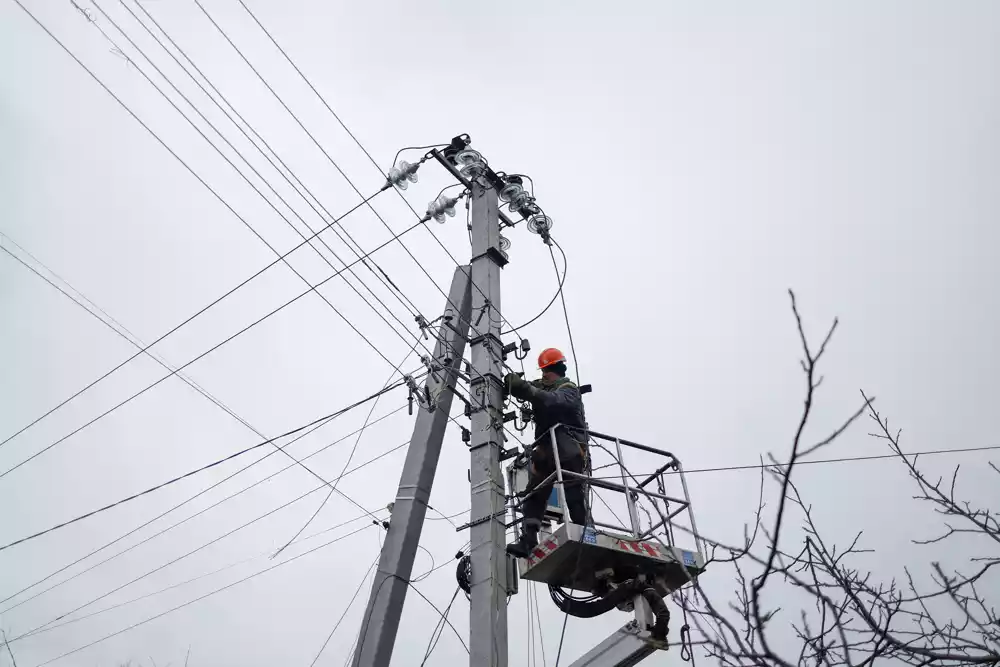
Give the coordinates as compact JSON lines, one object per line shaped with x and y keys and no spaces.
{"x":542,"y":465}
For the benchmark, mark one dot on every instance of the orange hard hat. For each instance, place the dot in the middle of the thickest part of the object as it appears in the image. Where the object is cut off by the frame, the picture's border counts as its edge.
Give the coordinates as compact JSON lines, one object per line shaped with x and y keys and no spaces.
{"x":549,"y":357}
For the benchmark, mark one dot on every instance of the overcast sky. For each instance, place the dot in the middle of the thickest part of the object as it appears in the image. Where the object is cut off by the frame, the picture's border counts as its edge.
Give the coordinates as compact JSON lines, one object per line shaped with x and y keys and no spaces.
{"x":698,"y":159}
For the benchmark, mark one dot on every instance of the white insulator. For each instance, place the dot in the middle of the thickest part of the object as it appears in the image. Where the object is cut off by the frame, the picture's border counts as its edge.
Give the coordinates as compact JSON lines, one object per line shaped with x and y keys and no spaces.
{"x":403,"y":172}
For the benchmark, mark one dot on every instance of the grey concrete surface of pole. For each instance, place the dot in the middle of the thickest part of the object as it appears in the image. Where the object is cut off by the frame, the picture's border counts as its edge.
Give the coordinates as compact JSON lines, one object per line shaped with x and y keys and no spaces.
{"x":385,"y":605}
{"x":488,"y":607}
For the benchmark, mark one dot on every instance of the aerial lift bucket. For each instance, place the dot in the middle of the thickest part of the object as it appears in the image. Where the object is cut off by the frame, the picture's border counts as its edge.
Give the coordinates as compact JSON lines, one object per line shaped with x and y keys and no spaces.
{"x":603,"y":556}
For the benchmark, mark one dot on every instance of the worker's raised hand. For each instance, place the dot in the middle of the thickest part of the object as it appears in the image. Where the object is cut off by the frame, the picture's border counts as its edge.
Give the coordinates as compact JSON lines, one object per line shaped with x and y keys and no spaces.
{"x":517,"y":386}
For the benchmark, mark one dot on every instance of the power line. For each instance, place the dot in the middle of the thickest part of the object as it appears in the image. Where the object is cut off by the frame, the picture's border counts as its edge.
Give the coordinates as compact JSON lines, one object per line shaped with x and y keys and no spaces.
{"x":370,"y":158}
{"x":202,"y":597}
{"x":562,"y":298}
{"x":271,"y":162}
{"x":203,"y":392}
{"x":280,"y":257}
{"x":205,"y":545}
{"x":193,"y":516}
{"x":203,"y":468}
{"x":438,"y":629}
{"x":346,"y":609}
{"x":350,"y":457}
{"x":173,"y":330}
{"x":562,"y":281}
{"x":180,"y":368}
{"x":385,"y":277}
{"x":252,"y":186}
{"x":844,"y":459}
{"x":171,"y":587}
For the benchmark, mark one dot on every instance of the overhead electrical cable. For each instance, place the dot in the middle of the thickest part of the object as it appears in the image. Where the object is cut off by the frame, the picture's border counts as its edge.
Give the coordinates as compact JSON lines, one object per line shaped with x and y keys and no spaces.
{"x":186,"y":519}
{"x":383,"y":277}
{"x":191,"y":473}
{"x":364,"y":150}
{"x":257,"y":190}
{"x":202,"y":597}
{"x":185,"y":582}
{"x":178,"y":506}
{"x":350,"y":457}
{"x":346,"y":609}
{"x":559,"y":289}
{"x":280,"y":258}
{"x":438,"y":629}
{"x":409,"y":305}
{"x":180,"y":368}
{"x":178,"y":327}
{"x":141,"y":347}
{"x":562,"y":298}
{"x":110,"y":322}
{"x":198,"y":549}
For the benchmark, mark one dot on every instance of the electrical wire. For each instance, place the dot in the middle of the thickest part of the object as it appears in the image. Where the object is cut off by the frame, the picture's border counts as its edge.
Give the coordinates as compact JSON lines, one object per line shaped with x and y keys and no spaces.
{"x":171,"y":587}
{"x":306,"y":80}
{"x":350,"y":457}
{"x":415,"y":148}
{"x":346,"y":609}
{"x":843,"y":459}
{"x":318,"y":145}
{"x":89,"y":307}
{"x":381,"y":275}
{"x":562,"y":282}
{"x":202,"y":597}
{"x":295,"y":117}
{"x":333,"y":162}
{"x":174,"y":329}
{"x":385,"y":277}
{"x":371,"y":605}
{"x":369,"y":513}
{"x":180,"y":368}
{"x":256,"y":189}
{"x":191,"y":473}
{"x":198,"y":549}
{"x":438,"y":629}
{"x":538,"y":620}
{"x":562,"y":298}
{"x":202,"y":391}
{"x":200,"y":179}
{"x":174,"y":508}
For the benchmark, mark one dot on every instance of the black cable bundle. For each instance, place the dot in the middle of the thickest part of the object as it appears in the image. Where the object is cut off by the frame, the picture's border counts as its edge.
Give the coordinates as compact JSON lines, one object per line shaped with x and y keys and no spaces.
{"x":590,"y":606}
{"x":463,"y":573}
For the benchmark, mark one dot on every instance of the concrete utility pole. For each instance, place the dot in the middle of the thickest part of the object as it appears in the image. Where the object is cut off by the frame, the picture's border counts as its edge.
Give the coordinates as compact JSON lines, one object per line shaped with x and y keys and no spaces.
{"x":385,"y":606}
{"x":489,"y":585}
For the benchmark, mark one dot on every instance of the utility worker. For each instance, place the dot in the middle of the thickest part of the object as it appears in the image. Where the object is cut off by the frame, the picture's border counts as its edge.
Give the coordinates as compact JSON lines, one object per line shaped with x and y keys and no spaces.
{"x":555,"y":399}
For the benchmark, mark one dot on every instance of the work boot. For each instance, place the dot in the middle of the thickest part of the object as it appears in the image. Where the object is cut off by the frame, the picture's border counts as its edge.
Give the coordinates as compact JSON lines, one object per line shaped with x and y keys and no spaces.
{"x":524,"y":545}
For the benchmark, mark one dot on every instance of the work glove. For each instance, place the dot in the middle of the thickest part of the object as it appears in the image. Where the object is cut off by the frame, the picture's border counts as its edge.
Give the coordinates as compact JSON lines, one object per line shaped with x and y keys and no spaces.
{"x":518,"y":387}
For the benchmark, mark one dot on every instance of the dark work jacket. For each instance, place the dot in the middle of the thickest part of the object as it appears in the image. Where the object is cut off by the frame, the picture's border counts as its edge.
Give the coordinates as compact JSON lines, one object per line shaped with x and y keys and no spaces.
{"x":559,"y":403}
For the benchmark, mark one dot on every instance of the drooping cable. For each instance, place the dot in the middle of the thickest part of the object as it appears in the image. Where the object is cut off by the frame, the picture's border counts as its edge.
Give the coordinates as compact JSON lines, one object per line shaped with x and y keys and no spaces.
{"x":202,"y":597}
{"x":562,"y":298}
{"x":180,"y":584}
{"x":559,"y":289}
{"x":350,"y":457}
{"x":183,"y":521}
{"x":346,"y":609}
{"x":280,"y":258}
{"x":185,"y":322}
{"x":438,"y":630}
{"x":191,"y":473}
{"x":198,"y":549}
